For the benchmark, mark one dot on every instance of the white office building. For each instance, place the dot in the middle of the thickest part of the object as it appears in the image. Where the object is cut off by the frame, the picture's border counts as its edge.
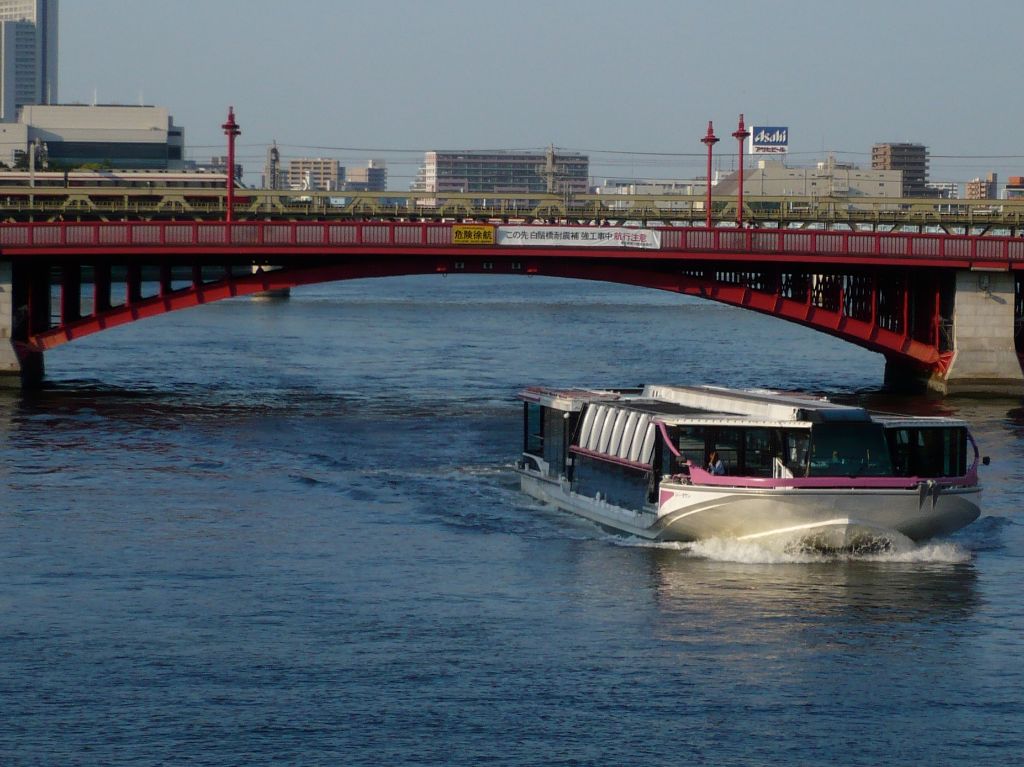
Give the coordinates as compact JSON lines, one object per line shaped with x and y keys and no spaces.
{"x":495,"y":172}
{"x":110,"y":136}
{"x":28,"y":55}
{"x":826,"y":179}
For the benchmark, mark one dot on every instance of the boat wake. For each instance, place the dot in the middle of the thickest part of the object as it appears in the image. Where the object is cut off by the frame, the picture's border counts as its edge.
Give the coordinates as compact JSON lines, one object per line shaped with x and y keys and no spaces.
{"x":800,"y":551}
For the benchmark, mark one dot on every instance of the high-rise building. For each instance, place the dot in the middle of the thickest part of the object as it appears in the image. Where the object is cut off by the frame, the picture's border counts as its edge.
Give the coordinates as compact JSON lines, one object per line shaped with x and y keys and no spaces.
{"x":111,"y":136}
{"x":272,"y":168}
{"x":372,"y":178}
{"x":315,"y":173}
{"x":1015,"y":188}
{"x":912,"y":159}
{"x":28,"y":55}
{"x":504,"y":171}
{"x":982,"y":188}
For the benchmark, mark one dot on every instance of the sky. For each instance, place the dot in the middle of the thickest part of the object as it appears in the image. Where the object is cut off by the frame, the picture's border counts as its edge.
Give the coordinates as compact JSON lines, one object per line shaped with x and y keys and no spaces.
{"x":632,"y":84}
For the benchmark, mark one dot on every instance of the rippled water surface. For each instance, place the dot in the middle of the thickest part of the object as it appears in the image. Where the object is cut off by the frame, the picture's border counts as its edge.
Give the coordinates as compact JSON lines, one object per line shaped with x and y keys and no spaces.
{"x":285,"y":533}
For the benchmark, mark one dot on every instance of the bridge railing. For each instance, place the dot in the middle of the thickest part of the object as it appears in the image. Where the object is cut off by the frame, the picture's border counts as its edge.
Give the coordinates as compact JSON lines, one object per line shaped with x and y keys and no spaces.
{"x":863,"y":244}
{"x":270,"y":235}
{"x":267,"y":234}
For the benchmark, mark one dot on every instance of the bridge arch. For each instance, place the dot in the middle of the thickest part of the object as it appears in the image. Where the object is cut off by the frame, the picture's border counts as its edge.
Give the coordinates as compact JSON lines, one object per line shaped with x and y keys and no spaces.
{"x":892,"y":293}
{"x":816,"y":301}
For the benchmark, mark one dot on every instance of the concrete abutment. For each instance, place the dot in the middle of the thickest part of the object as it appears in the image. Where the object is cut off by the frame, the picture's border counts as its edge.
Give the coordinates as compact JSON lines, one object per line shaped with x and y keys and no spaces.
{"x":985,"y":361}
{"x":20,"y":368}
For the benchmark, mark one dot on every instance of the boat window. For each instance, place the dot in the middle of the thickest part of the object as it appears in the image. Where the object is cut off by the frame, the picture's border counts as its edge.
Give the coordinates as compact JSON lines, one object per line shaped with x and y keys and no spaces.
{"x":555,"y":435}
{"x":849,"y":450}
{"x":954,"y":452}
{"x":929,"y":451}
{"x":759,"y":452}
{"x":691,"y":445}
{"x":618,"y":485}
{"x":727,"y":442}
{"x":533,"y":429}
{"x":899,"y":446}
{"x":794,"y":453}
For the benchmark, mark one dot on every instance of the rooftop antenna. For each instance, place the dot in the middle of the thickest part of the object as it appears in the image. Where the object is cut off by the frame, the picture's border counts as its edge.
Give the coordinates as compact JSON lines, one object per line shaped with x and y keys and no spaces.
{"x":95,"y":95}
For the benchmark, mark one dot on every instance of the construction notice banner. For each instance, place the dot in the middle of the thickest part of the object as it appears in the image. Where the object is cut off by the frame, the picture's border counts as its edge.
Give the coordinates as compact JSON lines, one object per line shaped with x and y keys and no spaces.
{"x":472,"y":234}
{"x":579,"y":237}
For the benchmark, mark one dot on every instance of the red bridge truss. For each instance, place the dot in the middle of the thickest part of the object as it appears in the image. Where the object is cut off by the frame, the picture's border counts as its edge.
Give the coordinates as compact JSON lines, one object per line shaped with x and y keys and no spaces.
{"x":889,"y":292}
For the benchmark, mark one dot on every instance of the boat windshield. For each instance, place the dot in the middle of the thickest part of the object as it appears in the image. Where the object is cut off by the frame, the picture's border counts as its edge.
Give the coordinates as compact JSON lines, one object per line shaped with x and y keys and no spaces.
{"x":849,"y":450}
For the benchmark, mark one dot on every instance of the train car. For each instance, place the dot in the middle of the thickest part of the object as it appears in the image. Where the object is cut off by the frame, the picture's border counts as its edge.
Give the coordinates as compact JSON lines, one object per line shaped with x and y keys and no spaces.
{"x":135,"y":179}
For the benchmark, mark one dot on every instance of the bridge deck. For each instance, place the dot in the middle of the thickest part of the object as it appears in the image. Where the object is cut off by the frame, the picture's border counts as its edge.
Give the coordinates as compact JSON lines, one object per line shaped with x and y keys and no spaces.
{"x":891,"y":292}
{"x":259,"y":239}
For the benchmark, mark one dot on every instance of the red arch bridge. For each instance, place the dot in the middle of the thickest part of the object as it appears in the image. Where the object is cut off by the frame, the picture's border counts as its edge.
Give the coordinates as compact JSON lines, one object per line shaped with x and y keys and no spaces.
{"x":941,"y":308}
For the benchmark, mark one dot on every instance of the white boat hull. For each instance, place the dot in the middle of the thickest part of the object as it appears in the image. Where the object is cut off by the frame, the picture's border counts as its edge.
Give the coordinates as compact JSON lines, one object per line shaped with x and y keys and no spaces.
{"x":832,"y":518}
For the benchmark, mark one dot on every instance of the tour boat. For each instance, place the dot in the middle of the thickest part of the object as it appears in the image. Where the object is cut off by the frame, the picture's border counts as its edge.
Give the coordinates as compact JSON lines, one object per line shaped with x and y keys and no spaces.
{"x":789,"y":467}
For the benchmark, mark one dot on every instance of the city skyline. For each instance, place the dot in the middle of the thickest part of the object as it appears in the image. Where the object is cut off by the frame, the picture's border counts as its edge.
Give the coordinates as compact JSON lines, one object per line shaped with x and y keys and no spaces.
{"x":450,"y":75}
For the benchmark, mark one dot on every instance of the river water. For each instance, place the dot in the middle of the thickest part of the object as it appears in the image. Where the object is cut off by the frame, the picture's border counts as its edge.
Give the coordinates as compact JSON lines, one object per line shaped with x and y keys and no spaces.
{"x":285,"y":532}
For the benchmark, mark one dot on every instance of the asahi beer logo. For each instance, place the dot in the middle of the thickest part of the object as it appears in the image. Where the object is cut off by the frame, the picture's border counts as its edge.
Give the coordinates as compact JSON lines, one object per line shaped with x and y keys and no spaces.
{"x":769,"y":140}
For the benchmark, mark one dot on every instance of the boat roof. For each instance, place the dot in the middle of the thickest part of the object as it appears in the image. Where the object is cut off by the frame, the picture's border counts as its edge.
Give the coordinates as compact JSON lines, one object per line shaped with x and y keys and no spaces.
{"x":719,"y":405}
{"x":757,"y":404}
{"x":571,"y":400}
{"x":893,"y":421}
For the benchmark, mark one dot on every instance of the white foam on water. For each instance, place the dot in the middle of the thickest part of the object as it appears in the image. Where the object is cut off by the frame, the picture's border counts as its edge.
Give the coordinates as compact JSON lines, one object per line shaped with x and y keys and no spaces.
{"x":945,"y":553}
{"x":791,"y":551}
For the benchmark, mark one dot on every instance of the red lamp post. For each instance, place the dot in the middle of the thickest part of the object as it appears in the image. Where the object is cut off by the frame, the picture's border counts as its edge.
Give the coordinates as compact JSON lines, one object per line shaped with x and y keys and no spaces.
{"x":231,"y":130}
{"x":740,"y":134}
{"x":709,"y":141}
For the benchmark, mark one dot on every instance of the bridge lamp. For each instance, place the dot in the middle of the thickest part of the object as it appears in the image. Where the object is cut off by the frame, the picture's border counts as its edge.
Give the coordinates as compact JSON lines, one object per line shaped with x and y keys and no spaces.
{"x":709,"y":141}
{"x":231,"y":130}
{"x":740,"y":134}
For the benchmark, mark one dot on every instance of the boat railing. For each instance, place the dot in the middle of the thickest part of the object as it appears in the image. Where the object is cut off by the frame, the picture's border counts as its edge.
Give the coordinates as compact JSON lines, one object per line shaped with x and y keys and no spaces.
{"x":699,"y":476}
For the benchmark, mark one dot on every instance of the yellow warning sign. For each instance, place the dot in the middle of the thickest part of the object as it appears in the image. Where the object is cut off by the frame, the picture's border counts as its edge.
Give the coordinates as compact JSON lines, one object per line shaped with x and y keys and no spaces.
{"x":472,"y":234}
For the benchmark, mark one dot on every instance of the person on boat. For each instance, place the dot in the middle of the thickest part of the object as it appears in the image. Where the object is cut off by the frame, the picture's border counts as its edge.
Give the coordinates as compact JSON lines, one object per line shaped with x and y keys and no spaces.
{"x":715,"y":465}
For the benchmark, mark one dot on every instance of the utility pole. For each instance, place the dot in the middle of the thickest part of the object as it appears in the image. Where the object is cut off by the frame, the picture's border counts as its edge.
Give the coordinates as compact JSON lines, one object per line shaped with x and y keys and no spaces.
{"x":549,"y":169}
{"x":271,"y":174}
{"x":37,"y":153}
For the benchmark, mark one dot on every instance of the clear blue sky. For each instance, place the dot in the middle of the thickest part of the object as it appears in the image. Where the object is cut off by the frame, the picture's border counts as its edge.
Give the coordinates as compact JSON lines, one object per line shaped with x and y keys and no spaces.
{"x":353,"y":79}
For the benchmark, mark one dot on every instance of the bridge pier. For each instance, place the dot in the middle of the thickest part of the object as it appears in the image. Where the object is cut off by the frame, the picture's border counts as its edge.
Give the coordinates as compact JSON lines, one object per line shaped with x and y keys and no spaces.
{"x":20,"y":368}
{"x":273,"y":292}
{"x":985,"y":360}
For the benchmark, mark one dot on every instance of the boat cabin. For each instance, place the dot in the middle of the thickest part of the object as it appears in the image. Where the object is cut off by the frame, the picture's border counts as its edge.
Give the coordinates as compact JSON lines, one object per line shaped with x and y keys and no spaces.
{"x":621,"y":443}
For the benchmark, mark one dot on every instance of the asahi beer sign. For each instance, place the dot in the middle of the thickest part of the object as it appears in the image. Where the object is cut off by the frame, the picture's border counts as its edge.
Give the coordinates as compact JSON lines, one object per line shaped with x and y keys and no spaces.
{"x":769,"y":139}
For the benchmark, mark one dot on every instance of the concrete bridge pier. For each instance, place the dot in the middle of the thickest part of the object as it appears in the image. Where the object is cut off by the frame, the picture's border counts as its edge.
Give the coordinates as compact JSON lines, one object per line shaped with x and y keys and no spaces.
{"x":274,"y":292}
{"x":985,"y":360}
{"x":19,"y":368}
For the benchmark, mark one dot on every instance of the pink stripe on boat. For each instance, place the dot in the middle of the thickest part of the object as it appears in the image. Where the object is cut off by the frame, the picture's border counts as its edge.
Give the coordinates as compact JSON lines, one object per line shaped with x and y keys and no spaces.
{"x":701,"y":477}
